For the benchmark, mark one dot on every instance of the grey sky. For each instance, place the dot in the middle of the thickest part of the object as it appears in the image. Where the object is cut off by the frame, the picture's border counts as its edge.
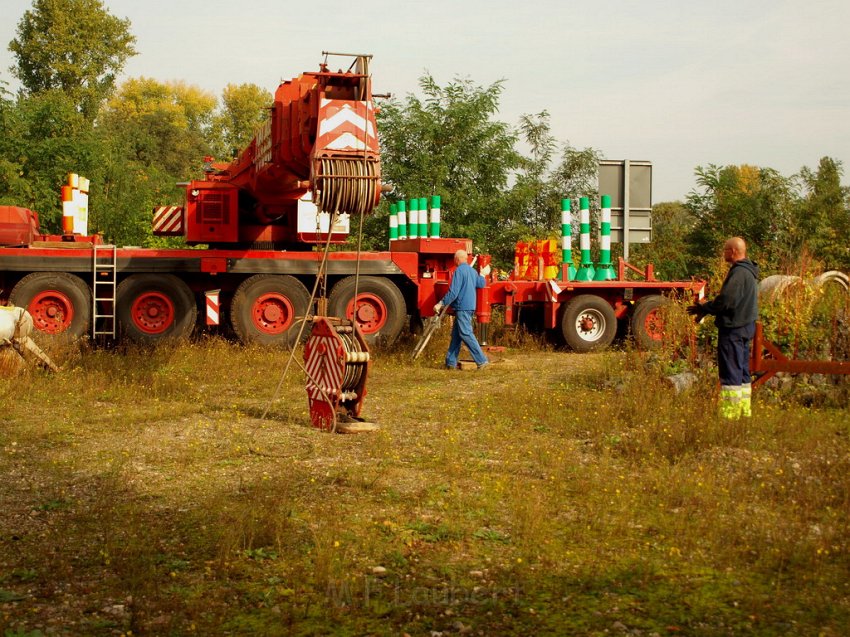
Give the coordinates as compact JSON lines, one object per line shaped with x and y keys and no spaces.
{"x":682,"y":83}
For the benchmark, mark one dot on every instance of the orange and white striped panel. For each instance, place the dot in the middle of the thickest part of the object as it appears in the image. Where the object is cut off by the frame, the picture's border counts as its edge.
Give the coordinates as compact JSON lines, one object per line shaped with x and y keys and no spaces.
{"x":324,"y":368}
{"x":168,"y":221}
{"x":213,"y":307}
{"x":347,"y":126}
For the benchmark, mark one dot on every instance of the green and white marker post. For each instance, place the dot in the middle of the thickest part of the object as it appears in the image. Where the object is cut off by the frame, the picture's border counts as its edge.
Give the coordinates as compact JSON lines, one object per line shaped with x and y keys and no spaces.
{"x":402,"y":220}
{"x":435,"y":216}
{"x":585,"y":271}
{"x":604,"y":271}
{"x":413,"y":221}
{"x":423,"y":217}
{"x":567,"y":240}
{"x":393,"y":222}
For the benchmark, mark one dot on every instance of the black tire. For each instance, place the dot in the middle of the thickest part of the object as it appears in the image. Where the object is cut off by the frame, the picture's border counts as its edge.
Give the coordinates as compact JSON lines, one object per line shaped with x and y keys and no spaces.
{"x":267,"y":308}
{"x":60,"y":303}
{"x":588,"y":323}
{"x":152,"y":308}
{"x":647,"y":324}
{"x":382,"y":311}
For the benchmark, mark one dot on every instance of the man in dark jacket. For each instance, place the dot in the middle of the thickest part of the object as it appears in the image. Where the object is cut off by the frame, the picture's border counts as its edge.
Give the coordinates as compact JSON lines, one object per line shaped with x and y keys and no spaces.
{"x":735,"y":310}
{"x":461,"y":298}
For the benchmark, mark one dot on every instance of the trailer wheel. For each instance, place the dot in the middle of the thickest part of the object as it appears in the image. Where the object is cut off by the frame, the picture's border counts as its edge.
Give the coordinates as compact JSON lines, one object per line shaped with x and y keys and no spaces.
{"x":60,"y":303}
{"x":588,"y":323}
{"x":381,"y":311}
{"x":647,"y":321}
{"x":155,"y":307}
{"x":266,"y":307}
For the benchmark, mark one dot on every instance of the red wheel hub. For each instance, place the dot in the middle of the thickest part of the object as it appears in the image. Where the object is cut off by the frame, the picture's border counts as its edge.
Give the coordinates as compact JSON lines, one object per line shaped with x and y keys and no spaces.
{"x":272,"y":313}
{"x":371,"y":313}
{"x":52,"y":311}
{"x":654,"y":325}
{"x":152,"y":312}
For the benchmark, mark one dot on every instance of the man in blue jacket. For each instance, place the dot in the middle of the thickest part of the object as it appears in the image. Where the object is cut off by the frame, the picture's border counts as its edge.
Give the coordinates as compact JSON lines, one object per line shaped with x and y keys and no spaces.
{"x":735,"y":310}
{"x":461,"y":298}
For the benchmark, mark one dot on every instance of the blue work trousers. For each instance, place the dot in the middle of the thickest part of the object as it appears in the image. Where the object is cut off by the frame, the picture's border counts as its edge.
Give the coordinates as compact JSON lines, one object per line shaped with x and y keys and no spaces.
{"x":462,"y":333}
{"x":733,"y":354}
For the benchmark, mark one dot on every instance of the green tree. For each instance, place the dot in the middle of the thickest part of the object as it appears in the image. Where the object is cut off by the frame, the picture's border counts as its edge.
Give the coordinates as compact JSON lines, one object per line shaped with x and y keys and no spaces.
{"x":539,"y":186}
{"x":533,"y":191}
{"x":243,"y":108}
{"x":154,"y":134}
{"x":448,"y":143}
{"x":747,"y":201}
{"x":73,"y":46}
{"x":14,"y":189}
{"x":163,"y":124}
{"x":822,"y":220}
{"x":672,"y":223}
{"x":42,"y":139}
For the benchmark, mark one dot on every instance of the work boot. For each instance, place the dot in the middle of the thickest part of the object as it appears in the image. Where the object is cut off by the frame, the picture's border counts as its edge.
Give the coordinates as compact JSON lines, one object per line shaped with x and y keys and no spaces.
{"x":730,"y":402}
{"x":747,"y":400}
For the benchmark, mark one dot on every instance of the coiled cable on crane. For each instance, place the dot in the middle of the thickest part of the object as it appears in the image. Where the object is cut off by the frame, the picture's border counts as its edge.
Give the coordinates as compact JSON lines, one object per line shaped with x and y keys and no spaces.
{"x":353,"y":369}
{"x":347,"y":186}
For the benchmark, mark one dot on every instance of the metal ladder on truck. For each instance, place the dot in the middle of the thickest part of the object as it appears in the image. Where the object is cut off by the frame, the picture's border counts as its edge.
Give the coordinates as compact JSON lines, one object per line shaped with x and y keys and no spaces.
{"x":104,"y":270}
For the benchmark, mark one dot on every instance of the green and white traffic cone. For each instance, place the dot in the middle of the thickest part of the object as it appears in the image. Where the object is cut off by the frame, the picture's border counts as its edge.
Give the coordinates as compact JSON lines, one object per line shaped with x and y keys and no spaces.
{"x":423,"y":217}
{"x":393,"y":222}
{"x":402,"y":220}
{"x":604,"y":271}
{"x":435,"y":216}
{"x":413,"y":220}
{"x":585,"y":271}
{"x":567,"y":240}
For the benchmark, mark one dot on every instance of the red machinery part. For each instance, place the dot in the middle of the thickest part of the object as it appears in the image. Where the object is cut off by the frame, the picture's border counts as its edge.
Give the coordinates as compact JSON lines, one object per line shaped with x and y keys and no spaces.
{"x":152,"y":312}
{"x":18,"y":226}
{"x":370,"y":312}
{"x":52,"y":311}
{"x":320,"y":139}
{"x":336,"y":361}
{"x":767,"y":366}
{"x":273,"y":313}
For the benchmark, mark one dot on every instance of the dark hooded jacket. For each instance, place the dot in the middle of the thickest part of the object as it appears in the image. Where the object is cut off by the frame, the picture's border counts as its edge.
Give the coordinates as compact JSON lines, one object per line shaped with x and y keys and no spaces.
{"x":737,"y":303}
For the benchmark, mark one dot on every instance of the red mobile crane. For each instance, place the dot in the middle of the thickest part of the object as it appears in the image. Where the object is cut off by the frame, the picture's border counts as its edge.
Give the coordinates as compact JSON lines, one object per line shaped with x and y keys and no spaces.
{"x":315,"y":162}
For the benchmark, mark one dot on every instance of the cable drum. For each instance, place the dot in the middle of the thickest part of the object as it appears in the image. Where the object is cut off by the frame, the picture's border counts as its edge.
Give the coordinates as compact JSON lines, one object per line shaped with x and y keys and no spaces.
{"x":348,"y":186}
{"x":354,"y":357}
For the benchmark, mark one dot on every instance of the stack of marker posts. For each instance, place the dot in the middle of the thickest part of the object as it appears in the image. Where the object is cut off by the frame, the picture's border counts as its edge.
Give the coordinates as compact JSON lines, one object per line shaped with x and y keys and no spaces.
{"x":413,"y":219}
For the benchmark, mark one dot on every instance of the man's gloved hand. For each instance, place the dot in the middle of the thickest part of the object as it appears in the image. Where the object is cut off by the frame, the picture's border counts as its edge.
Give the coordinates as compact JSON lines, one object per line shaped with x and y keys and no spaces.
{"x":438,"y":308}
{"x":696,"y":310}
{"x":485,"y":271}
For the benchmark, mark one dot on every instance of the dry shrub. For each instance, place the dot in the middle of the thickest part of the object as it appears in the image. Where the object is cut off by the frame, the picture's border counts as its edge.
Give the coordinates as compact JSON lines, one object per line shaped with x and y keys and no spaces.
{"x":11,"y":363}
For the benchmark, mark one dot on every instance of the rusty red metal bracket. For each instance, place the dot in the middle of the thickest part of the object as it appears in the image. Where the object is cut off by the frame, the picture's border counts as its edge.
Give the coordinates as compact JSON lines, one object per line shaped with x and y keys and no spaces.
{"x":775,"y":361}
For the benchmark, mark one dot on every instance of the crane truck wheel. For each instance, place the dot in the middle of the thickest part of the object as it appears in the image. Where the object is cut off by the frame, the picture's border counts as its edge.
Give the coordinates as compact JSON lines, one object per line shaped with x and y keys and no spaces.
{"x":647,"y":322}
{"x":60,"y":303}
{"x":381,"y":311}
{"x":588,"y":323}
{"x":152,"y":308}
{"x":266,"y":309}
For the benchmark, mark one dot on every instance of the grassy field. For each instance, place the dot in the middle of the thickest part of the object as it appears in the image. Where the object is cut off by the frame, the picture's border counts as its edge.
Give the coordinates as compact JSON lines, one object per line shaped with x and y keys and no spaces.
{"x":551,"y":494}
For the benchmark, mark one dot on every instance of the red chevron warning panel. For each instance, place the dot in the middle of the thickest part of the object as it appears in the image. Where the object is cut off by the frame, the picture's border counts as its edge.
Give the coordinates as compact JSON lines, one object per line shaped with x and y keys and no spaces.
{"x":168,"y":221}
{"x":347,"y":126}
{"x":324,"y":362}
{"x":325,"y":365}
